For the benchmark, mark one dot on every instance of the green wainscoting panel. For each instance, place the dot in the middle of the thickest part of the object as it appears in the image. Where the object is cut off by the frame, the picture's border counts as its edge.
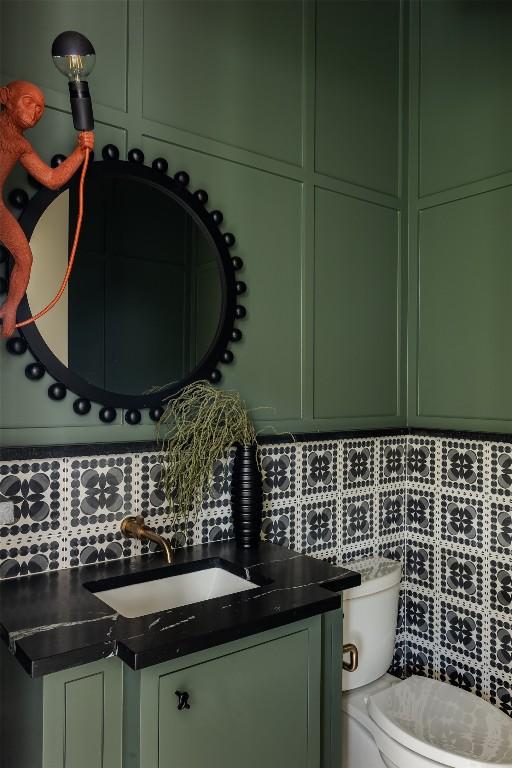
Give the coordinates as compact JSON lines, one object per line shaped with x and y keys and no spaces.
{"x":268,"y":239}
{"x":240,"y":72}
{"x":30,"y":26}
{"x":358,"y":95}
{"x":356,"y":300}
{"x":465,"y":109}
{"x":465,"y":274}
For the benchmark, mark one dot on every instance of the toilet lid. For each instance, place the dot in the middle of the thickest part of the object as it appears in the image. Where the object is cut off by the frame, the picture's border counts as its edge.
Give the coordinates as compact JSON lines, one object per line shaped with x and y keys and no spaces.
{"x":444,"y":723}
{"x":377,"y":574}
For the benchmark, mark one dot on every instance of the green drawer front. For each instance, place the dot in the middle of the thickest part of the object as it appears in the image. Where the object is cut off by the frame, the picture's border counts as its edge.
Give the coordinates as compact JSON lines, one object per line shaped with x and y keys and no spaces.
{"x":249,"y":709}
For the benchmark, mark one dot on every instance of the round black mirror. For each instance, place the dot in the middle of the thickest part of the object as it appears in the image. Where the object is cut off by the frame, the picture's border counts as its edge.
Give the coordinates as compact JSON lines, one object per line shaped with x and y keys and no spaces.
{"x":152,"y":298}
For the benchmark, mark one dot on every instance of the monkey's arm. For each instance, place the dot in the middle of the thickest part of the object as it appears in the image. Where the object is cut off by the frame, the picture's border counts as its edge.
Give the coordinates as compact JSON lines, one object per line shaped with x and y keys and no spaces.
{"x":53,"y":178}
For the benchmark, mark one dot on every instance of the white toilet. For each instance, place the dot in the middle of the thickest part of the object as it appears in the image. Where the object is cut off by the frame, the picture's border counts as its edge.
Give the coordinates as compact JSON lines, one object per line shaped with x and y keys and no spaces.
{"x":414,"y":723}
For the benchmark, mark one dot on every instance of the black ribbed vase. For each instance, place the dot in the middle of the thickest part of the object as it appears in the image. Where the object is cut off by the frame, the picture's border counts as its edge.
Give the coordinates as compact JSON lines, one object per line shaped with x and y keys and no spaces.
{"x":246,"y":497}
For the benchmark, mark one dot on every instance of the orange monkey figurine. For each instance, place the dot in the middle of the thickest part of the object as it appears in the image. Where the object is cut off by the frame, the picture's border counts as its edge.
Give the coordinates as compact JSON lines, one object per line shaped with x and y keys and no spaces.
{"x":22,"y":106}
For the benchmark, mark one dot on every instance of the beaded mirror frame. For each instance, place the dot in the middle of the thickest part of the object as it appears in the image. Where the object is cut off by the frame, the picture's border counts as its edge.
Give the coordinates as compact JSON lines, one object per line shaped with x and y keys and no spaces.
{"x":65,"y":379}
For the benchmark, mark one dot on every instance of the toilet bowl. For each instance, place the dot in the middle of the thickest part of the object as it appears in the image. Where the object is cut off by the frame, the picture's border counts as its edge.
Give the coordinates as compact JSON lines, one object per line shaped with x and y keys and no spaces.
{"x":413,"y":723}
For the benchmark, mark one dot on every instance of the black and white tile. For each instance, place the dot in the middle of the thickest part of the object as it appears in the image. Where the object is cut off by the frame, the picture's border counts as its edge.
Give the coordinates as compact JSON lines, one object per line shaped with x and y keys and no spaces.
{"x":100,"y":491}
{"x":419,"y":659}
{"x":35,"y":491}
{"x":462,"y":520}
{"x":278,"y":527}
{"x":217,"y":527}
{"x":394,"y":549}
{"x":421,"y":460}
{"x":32,"y":555}
{"x":462,"y":465}
{"x":357,"y":519}
{"x":346,"y":553}
{"x":318,"y":529}
{"x":358,"y":468}
{"x":462,"y":674}
{"x":501,"y":528}
{"x":462,"y":575}
{"x":461,"y":631}
{"x":87,"y":548}
{"x":501,"y":694}
{"x":278,"y":468}
{"x":419,"y":563}
{"x":420,"y":511}
{"x":419,"y":615}
{"x":501,"y":469}
{"x":391,"y":512}
{"x":501,"y":586}
{"x":500,"y":646}
{"x":392,"y":458}
{"x":319,"y":468}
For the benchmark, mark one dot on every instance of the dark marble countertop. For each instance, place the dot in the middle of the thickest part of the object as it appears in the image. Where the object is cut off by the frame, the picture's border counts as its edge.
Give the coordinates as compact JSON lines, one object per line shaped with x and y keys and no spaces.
{"x":51,"y":621}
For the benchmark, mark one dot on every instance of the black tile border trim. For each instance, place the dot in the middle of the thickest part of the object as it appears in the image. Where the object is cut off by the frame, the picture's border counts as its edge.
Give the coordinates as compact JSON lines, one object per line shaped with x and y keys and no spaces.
{"x":29,"y":452}
{"x":32,"y":452}
{"x":489,"y":437}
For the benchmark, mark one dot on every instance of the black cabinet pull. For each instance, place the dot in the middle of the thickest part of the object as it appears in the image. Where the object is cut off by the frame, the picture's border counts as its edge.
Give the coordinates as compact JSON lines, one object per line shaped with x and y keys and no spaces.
{"x":182,"y":700}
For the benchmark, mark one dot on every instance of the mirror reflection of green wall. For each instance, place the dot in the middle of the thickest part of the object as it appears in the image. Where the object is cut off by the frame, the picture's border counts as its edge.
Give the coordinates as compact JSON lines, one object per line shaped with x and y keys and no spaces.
{"x":131,"y":318}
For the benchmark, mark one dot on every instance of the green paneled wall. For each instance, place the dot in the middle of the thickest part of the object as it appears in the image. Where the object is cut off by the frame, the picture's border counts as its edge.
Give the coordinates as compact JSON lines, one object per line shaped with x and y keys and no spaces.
{"x":356,"y":282}
{"x":460,"y":215}
{"x":242,"y":82}
{"x":358,"y":103}
{"x":465,"y":110}
{"x":288,"y":114}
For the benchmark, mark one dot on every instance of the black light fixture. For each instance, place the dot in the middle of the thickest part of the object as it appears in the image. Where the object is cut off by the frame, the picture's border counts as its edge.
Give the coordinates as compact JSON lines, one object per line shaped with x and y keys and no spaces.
{"x":74,"y":56}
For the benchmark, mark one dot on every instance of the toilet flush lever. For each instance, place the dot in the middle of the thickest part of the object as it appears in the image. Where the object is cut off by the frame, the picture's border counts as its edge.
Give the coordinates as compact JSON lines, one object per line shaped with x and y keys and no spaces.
{"x":352,"y":665}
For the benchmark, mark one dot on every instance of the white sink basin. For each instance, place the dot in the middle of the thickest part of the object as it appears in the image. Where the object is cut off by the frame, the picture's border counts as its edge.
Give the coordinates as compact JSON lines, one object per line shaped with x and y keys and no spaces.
{"x":171,"y":592}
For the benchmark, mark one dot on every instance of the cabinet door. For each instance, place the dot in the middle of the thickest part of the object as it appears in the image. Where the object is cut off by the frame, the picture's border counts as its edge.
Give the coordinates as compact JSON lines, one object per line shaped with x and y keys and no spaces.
{"x":82,"y":716}
{"x":249,"y":708}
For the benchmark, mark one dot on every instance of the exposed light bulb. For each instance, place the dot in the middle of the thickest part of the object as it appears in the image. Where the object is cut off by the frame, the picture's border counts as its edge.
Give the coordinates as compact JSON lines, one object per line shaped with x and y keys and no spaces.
{"x":74,"y":56}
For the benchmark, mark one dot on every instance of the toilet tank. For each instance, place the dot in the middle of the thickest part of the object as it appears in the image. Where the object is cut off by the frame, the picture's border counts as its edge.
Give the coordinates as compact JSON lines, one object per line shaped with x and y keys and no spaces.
{"x":369,"y":618}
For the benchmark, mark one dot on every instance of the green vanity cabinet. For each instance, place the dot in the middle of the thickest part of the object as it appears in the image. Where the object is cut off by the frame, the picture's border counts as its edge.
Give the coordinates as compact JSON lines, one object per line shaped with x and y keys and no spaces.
{"x":271,"y":699}
{"x":69,"y":719}
{"x":83,"y":716}
{"x":256,"y":705}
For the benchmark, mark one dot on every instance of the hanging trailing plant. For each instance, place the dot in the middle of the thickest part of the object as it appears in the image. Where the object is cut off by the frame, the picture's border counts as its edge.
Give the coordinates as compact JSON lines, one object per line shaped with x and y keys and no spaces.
{"x":198,"y":428}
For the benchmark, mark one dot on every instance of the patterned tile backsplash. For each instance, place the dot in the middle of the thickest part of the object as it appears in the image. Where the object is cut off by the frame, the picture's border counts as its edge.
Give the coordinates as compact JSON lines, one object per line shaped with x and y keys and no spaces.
{"x":440,"y":505}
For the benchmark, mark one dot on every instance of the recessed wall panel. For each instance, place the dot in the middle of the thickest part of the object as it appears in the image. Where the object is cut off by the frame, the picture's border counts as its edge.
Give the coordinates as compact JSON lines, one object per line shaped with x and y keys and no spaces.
{"x":230,"y":71}
{"x":465,"y":103}
{"x":356,"y":298}
{"x":357,"y":92}
{"x":267,"y":367}
{"x":29,"y":28}
{"x":465,"y":313}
